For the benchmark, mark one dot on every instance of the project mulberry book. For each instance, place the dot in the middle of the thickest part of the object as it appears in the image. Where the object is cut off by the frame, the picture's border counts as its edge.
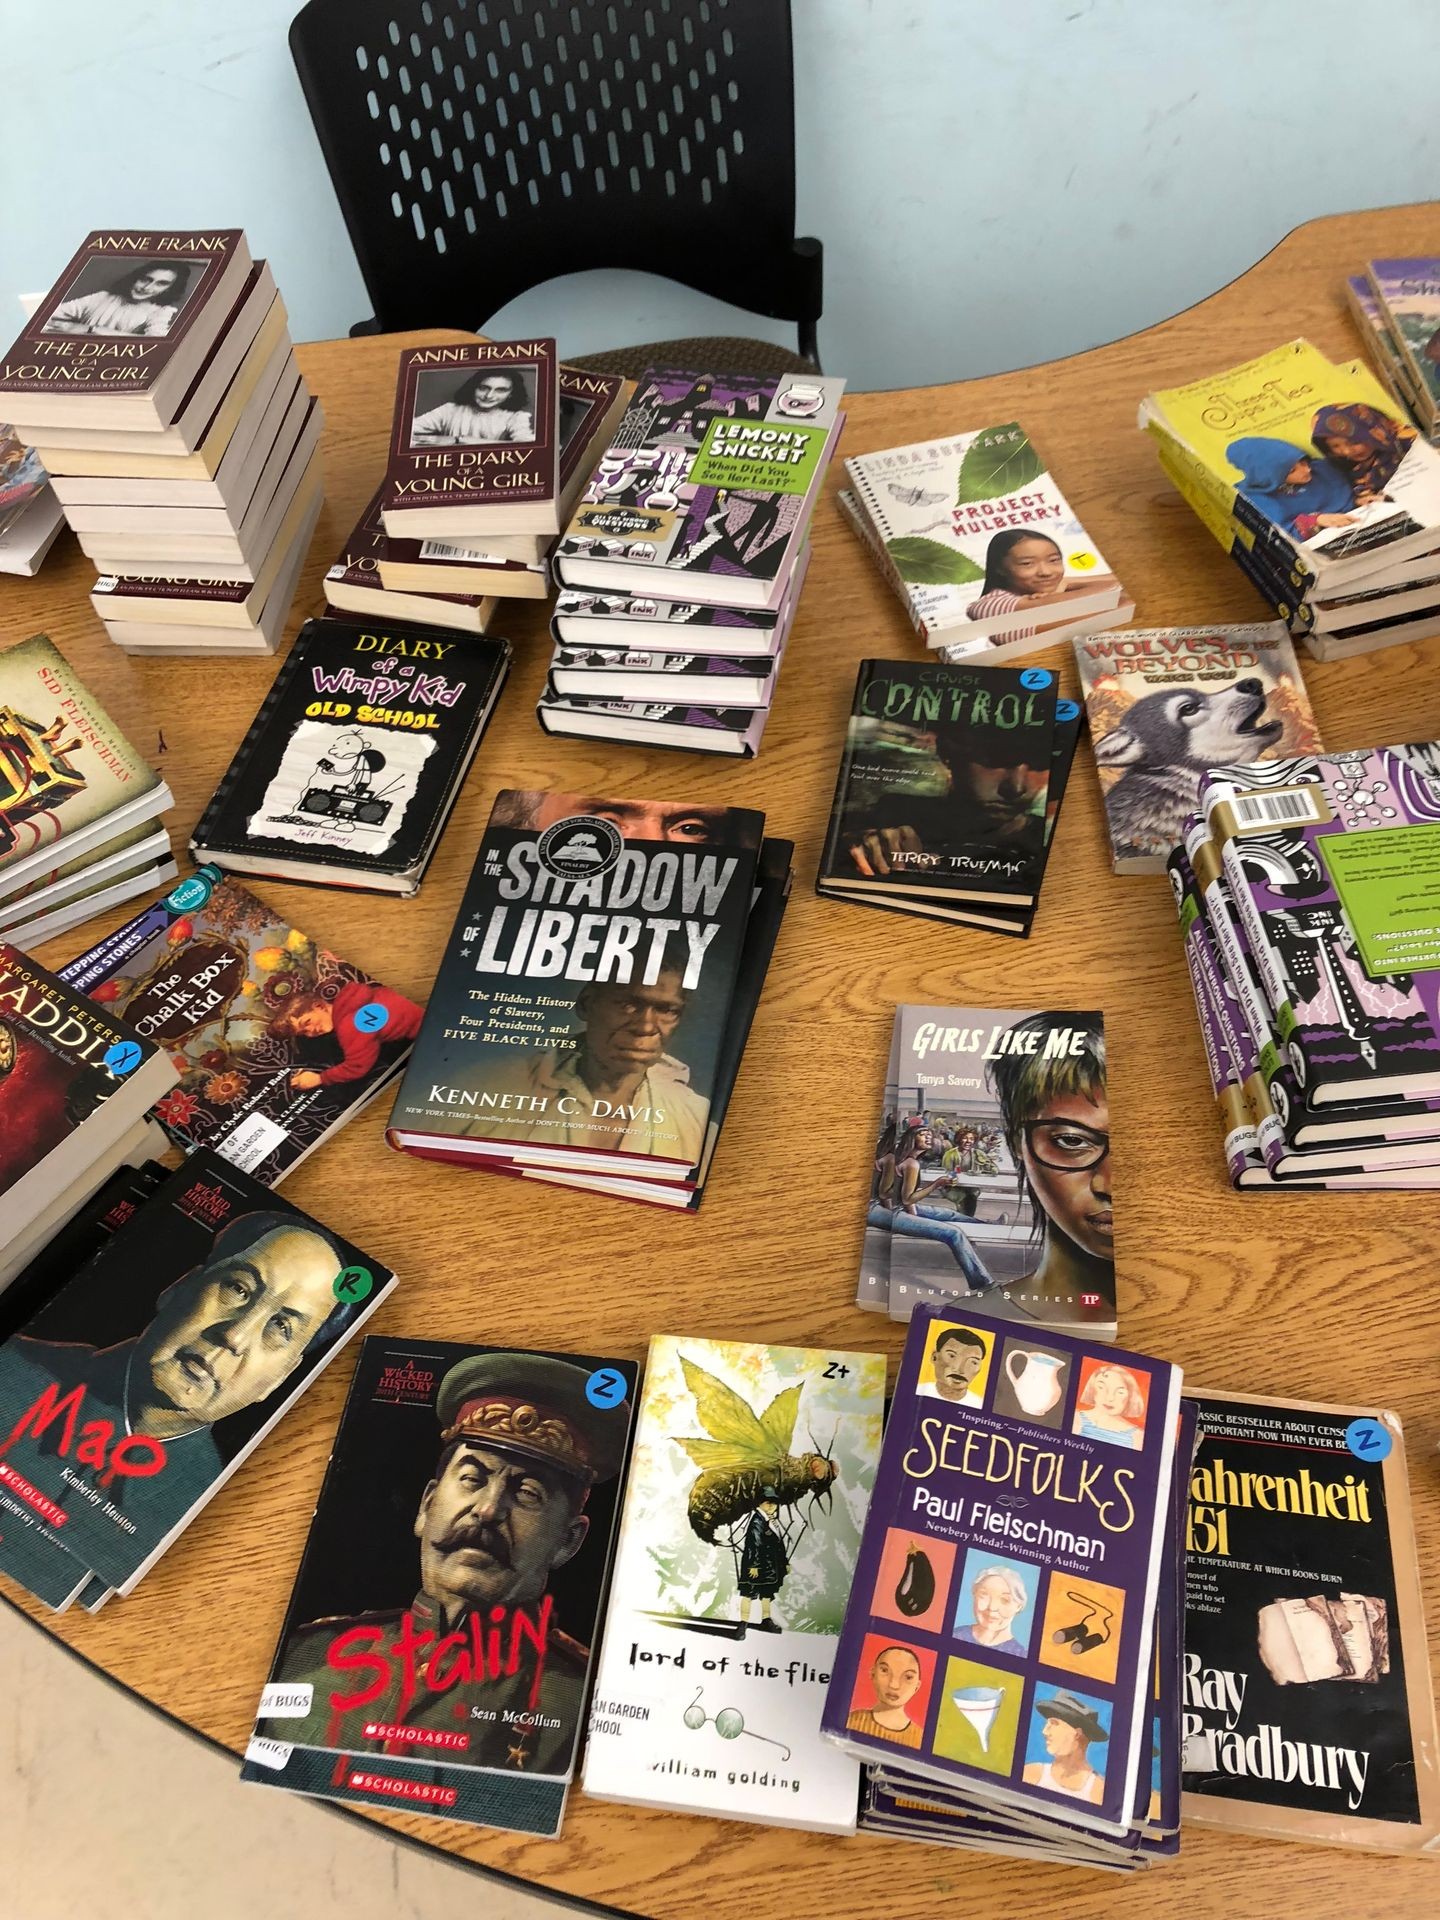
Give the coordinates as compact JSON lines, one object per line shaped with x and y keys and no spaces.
{"x":132,"y":1396}
{"x":706,"y":491}
{"x":1308,"y":1711}
{"x":1047,"y":1476}
{"x":447,"y":1663}
{"x":360,"y":796}
{"x":752,"y":1473}
{"x":278,"y":1040}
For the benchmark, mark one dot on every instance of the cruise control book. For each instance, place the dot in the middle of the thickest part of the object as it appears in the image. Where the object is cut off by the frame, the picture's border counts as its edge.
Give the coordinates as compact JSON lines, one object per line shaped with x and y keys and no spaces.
{"x":1000,"y":1633}
{"x":130,"y":1399}
{"x":278,"y":1040}
{"x":744,"y":1507}
{"x":441,"y":1623}
{"x":1308,"y":1711}
{"x":705,"y":492}
{"x":582,"y":1001}
{"x":348,"y":772}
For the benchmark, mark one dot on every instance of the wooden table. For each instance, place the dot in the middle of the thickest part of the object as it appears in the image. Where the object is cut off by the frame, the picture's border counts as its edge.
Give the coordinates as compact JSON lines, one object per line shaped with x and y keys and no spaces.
{"x":1327,"y":1297}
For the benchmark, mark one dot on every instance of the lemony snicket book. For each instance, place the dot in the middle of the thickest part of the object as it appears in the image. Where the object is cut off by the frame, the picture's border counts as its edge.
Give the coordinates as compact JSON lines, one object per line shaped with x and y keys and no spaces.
{"x":132,"y":1396}
{"x":748,"y":1490}
{"x":1308,"y":1711}
{"x":436,"y":1651}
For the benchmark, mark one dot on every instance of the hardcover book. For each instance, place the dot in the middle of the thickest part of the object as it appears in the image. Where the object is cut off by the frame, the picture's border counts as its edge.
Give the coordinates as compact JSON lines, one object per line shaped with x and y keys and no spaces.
{"x":943,"y":784}
{"x":736,"y":731}
{"x":129,"y":1400}
{"x":1166,"y":703}
{"x":752,"y":1473}
{"x":582,"y":1000}
{"x":1000,"y":1632}
{"x":1308,"y":1712}
{"x":634,"y":674}
{"x":360,"y":796}
{"x":118,"y":338}
{"x":981,"y":541}
{"x":476,"y":443}
{"x":640,"y":620}
{"x":706,"y":491}
{"x":450,"y":1589}
{"x":67,"y":772}
{"x":278,"y":1041}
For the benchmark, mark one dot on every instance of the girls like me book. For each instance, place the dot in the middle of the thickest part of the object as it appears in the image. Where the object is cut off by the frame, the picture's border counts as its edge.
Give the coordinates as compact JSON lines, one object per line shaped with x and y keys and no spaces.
{"x":751,"y":1475}
{"x":1000,"y":1633}
{"x":981,"y":543}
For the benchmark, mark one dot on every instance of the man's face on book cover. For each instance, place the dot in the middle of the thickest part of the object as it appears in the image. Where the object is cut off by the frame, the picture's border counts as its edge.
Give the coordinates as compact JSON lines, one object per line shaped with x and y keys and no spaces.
{"x":491,"y":1528}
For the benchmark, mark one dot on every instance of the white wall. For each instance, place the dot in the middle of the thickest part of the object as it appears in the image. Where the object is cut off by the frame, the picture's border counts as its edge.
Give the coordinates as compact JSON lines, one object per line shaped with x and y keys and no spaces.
{"x":996,"y":181}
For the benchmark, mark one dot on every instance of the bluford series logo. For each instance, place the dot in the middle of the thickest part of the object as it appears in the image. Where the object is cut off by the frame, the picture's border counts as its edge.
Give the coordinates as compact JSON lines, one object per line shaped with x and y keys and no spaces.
{"x":579,"y":848}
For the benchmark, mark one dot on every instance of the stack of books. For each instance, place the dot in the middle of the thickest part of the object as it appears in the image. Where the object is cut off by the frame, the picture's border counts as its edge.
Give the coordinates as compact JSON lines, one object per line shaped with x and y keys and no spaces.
{"x":1318,"y":487}
{"x":78,"y":803}
{"x":1306,"y":891}
{"x":693,"y":528}
{"x":983,"y":550}
{"x":30,"y":514}
{"x":1009,"y":1668}
{"x":473,"y":496}
{"x":1396,"y":305}
{"x":133,"y":1394}
{"x":592,"y":1005}
{"x":949,"y":791}
{"x":157,"y":383}
{"x":76,"y":1085}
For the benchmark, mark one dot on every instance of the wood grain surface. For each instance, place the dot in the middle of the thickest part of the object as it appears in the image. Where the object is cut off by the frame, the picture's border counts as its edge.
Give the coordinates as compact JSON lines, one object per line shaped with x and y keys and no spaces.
{"x":1318,"y":1296}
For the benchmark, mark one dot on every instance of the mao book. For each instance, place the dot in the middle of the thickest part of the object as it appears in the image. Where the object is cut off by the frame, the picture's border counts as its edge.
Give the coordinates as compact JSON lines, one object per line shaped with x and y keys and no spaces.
{"x":1000,"y":1632}
{"x":748,"y":1490}
{"x":705,"y":492}
{"x":1308,"y":1712}
{"x":981,"y":542}
{"x":349,"y":770}
{"x":278,"y":1040}
{"x":443,"y":1613}
{"x":579,"y":1012}
{"x":129,"y":1400}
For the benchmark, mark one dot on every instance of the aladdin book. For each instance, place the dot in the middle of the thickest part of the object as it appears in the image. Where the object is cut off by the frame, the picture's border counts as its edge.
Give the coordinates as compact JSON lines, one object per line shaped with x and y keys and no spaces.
{"x":130,"y":1399}
{"x":993,"y":1176}
{"x":475,"y":447}
{"x":752,"y":1473}
{"x":706,"y":491}
{"x":435,"y":1655}
{"x":278,"y":1040}
{"x":1000,"y":1636}
{"x":579,"y":1012}
{"x":1308,"y":1712}
{"x":981,"y":544}
{"x":118,"y":338}
{"x":1165,"y":703}
{"x":350,"y":769}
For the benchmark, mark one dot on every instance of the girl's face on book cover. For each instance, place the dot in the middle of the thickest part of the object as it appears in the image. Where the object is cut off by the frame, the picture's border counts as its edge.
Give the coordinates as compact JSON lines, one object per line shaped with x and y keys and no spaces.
{"x":1076,"y":1198}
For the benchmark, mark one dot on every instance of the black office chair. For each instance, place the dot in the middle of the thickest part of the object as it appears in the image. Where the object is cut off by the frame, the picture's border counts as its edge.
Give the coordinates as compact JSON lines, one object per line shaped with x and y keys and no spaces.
{"x":480,"y":147}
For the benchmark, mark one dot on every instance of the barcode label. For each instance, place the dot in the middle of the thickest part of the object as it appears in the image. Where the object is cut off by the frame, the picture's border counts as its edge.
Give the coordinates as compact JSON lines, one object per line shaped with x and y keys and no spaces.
{"x":445,"y":550}
{"x":1286,"y":807}
{"x":107,"y":583}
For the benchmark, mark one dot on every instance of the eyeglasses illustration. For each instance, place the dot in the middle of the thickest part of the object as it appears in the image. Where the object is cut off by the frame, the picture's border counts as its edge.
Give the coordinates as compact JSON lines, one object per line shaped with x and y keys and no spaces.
{"x":1066,"y":1145}
{"x":729,"y":1723}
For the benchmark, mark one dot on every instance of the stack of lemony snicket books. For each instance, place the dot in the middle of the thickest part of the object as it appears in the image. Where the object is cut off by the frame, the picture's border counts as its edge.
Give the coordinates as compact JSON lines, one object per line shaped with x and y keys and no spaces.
{"x":1009,"y":1669}
{"x":1319,"y":488}
{"x":681,"y":567}
{"x":156,"y":381}
{"x":592,"y":1005}
{"x":79,"y":830}
{"x":490,"y":447}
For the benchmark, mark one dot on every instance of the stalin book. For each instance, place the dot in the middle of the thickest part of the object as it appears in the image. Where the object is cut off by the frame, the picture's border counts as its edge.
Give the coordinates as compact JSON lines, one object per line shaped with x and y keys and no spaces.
{"x":132,"y":1396}
{"x":743,"y":1511}
{"x":579,"y":1012}
{"x":349,"y":770}
{"x":1000,"y":1632}
{"x":439,"y":1630}
{"x":475,"y":448}
{"x":1308,"y":1713}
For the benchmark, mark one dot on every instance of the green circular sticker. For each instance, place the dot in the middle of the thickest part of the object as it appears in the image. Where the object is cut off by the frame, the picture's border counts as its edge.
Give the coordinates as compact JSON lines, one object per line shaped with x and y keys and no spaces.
{"x":353,"y":1283}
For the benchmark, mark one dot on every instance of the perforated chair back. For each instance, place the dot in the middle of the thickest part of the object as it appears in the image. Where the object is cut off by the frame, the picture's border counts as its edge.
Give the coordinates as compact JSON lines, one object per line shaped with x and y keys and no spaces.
{"x":481,"y":147}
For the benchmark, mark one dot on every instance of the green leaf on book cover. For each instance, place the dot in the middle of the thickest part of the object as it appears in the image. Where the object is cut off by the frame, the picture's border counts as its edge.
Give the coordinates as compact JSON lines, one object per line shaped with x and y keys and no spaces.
{"x":999,"y":461}
{"x":930,"y":563}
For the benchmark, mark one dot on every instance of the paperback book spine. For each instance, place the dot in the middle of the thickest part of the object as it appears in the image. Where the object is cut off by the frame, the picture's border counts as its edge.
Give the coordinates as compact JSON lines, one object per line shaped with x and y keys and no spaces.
{"x":1239,"y":1133}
